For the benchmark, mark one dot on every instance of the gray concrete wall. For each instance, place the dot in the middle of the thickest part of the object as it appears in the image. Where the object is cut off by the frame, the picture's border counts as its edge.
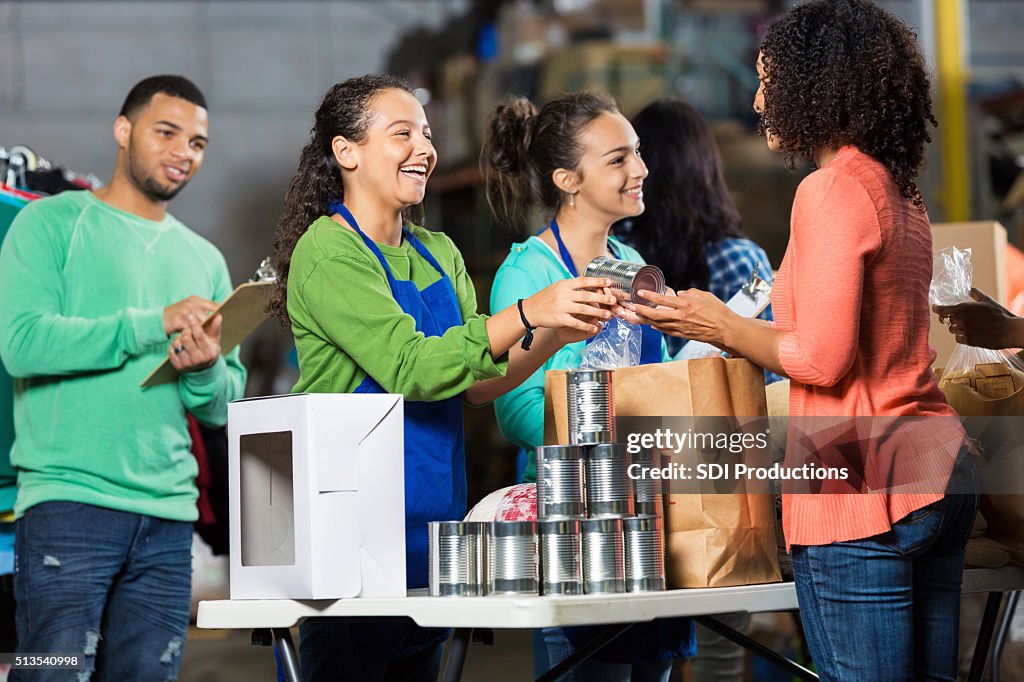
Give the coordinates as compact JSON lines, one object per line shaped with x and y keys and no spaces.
{"x":65,"y":68}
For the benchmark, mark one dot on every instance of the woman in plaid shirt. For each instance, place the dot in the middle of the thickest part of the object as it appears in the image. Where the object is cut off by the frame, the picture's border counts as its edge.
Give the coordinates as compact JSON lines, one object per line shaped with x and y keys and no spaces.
{"x":691,"y":227}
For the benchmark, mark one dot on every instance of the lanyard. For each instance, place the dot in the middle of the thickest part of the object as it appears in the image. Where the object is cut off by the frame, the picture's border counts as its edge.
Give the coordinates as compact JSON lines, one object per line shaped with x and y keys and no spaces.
{"x":564,"y":252}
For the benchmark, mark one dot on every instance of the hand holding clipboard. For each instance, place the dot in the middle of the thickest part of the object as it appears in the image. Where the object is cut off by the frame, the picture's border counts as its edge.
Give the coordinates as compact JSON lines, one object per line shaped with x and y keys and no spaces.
{"x":241,"y":313}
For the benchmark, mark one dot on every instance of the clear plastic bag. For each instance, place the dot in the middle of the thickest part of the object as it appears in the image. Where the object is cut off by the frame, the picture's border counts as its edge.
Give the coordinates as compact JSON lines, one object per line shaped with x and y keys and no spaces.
{"x":616,"y":345}
{"x":951,"y":277}
{"x":983,"y":372}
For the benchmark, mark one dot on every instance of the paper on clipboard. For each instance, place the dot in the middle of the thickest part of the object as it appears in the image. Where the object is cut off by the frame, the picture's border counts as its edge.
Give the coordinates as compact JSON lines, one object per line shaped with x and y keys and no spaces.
{"x":750,"y":301}
{"x":242,"y":312}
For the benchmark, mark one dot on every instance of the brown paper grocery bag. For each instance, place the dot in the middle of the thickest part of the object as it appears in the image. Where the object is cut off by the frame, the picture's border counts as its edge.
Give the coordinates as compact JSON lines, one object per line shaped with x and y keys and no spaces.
{"x":1004,"y":512}
{"x":711,"y":540}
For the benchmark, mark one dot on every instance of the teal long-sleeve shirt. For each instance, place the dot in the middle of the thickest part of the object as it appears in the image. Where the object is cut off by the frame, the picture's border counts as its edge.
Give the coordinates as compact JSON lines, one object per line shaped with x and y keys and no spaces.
{"x":347,"y":324}
{"x":83,"y":288}
{"x":529,"y":267}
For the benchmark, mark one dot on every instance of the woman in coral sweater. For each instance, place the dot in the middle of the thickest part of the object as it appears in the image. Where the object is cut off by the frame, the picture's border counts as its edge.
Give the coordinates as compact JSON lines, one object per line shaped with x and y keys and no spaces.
{"x":843,"y":84}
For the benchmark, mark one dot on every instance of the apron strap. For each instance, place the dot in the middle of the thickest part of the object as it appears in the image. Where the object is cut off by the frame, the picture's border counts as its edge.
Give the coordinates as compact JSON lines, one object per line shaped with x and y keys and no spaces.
{"x":341,"y":209}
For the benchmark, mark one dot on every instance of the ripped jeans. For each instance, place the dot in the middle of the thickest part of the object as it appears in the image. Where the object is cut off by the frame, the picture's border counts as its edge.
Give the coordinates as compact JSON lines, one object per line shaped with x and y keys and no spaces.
{"x":111,"y":586}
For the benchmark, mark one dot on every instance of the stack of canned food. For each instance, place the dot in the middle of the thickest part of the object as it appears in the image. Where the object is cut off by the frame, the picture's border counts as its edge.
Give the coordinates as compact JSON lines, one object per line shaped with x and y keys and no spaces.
{"x":599,"y":530}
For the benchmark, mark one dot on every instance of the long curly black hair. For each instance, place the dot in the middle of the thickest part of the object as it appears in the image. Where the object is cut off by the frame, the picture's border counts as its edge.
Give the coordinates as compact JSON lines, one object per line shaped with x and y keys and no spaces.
{"x":346,"y":110}
{"x":688,"y":202}
{"x":848,"y":72}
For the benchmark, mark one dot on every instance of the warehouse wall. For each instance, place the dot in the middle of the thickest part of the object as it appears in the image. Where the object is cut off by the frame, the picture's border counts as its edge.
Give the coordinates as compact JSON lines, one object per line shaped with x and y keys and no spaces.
{"x":65,"y":68}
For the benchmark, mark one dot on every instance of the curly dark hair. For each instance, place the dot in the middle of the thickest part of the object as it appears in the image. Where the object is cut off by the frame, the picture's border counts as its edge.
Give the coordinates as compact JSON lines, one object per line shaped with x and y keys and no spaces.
{"x":848,"y":72}
{"x":346,"y":110}
{"x":688,"y":202}
{"x":523,"y":147}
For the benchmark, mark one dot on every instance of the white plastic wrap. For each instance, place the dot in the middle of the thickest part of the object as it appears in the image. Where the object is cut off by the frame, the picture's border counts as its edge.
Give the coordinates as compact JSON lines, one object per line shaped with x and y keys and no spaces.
{"x":617,"y":345}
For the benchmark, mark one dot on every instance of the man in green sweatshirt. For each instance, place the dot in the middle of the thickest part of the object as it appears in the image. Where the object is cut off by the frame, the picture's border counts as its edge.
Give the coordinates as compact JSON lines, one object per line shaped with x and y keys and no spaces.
{"x":99,"y":287}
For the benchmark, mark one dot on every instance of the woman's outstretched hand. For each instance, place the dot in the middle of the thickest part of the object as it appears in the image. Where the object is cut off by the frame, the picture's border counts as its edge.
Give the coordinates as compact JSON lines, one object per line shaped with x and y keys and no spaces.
{"x":575,"y":308}
{"x":691,"y":314}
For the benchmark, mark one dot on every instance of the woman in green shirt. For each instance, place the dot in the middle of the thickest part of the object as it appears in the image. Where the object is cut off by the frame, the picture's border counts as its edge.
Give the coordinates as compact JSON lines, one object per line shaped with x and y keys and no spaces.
{"x":379,"y":304}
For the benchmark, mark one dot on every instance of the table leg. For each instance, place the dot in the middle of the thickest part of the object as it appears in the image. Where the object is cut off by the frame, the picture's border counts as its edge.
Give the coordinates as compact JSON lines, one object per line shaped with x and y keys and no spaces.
{"x":988,"y":625}
{"x":456,"y":654}
{"x":761,"y":650}
{"x":584,"y":652}
{"x":286,"y":651}
{"x":1004,"y":629}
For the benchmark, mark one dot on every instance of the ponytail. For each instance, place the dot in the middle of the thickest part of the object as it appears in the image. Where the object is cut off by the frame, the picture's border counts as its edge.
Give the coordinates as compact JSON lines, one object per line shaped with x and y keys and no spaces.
{"x":523,"y":148}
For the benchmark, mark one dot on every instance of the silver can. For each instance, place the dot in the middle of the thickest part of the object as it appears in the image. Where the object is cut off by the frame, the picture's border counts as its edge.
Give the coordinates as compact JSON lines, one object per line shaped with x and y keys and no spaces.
{"x":647,"y":500}
{"x":609,"y":487}
{"x":559,"y":481}
{"x":644,"y":554}
{"x":591,"y":412}
{"x":628,"y":278}
{"x":561,"y":556}
{"x":603,"y":559}
{"x":456,"y":551}
{"x":512,"y":558}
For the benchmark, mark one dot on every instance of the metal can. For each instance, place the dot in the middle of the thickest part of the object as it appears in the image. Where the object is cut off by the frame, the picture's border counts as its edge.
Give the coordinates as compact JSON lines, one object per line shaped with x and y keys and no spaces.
{"x":559,"y":481}
{"x":591,"y":412}
{"x":628,"y":278}
{"x":512,"y":558}
{"x":456,"y":557}
{"x":561,"y":556}
{"x":609,"y":488}
{"x":647,"y":500}
{"x":603,"y":558}
{"x":644,"y":554}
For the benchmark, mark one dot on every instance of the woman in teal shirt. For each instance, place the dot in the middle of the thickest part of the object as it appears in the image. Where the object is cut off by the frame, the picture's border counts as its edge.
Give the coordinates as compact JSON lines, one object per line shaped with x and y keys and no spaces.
{"x":577,"y":160}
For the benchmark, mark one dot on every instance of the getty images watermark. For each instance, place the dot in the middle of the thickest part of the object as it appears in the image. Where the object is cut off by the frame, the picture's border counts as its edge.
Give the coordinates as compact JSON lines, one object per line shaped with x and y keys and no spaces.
{"x":666,"y":441}
{"x":826,"y":455}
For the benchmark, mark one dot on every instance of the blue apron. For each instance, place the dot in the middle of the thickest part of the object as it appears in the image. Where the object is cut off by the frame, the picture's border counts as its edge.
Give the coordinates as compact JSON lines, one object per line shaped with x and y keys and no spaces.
{"x":435,"y":457}
{"x":650,"y":340}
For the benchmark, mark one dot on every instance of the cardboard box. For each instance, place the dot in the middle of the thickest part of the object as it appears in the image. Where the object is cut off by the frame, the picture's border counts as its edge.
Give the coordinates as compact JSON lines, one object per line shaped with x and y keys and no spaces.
{"x":634,"y":74}
{"x":987,"y":241}
{"x":317,"y":496}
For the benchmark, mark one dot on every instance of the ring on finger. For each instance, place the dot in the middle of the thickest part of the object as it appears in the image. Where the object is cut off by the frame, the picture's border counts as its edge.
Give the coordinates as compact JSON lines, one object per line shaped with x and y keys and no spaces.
{"x":179,"y":349}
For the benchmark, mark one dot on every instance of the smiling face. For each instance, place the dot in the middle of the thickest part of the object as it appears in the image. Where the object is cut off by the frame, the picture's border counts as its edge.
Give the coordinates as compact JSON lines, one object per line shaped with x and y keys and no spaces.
{"x":396,"y":157}
{"x":163,"y":144}
{"x":611,"y":173}
{"x":762,"y":78}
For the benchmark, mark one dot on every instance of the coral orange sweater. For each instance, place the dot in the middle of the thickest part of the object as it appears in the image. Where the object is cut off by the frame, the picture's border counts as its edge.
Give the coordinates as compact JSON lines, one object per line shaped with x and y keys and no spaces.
{"x":852,"y":292}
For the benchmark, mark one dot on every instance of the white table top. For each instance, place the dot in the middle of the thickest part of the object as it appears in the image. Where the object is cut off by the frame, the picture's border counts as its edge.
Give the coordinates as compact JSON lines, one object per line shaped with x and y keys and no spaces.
{"x":537,"y":612}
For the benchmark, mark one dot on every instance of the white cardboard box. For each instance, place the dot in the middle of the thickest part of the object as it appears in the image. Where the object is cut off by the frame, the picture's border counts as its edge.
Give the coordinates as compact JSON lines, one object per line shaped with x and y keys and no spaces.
{"x":317,"y":496}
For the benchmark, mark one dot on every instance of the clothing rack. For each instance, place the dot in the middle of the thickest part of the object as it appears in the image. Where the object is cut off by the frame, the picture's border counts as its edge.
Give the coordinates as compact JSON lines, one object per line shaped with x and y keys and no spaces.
{"x":28,"y":175}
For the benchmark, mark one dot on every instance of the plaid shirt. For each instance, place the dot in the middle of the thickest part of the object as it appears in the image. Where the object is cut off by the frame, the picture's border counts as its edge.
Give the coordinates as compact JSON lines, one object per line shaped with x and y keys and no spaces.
{"x":731,"y":262}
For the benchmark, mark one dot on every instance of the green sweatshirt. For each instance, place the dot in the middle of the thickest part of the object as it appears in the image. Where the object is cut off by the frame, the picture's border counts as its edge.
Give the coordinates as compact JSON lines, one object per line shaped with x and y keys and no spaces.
{"x":347,"y":324}
{"x":81,"y":324}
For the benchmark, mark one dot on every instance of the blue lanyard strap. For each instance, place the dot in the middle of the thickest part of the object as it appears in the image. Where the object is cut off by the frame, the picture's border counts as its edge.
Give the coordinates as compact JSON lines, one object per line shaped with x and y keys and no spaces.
{"x":564,"y":252}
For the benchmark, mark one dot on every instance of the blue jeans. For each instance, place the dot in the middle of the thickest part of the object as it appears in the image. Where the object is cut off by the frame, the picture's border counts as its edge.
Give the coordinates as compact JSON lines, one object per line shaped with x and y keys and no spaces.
{"x":109,"y":585}
{"x":369,"y":650}
{"x":887,"y":608}
{"x":594,"y":670}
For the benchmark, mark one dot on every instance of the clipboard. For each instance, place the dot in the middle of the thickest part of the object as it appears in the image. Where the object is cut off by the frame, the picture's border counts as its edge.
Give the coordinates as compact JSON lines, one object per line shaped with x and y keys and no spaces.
{"x":242,"y":312}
